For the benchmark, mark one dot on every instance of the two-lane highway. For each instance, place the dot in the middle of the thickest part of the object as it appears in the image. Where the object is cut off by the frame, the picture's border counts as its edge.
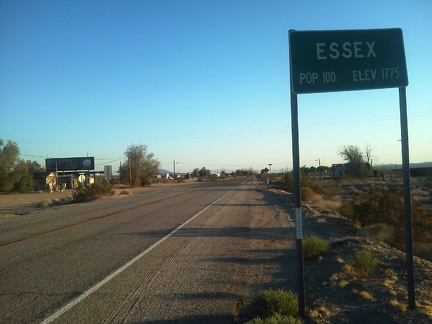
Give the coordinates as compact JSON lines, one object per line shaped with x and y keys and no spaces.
{"x":173,"y":254}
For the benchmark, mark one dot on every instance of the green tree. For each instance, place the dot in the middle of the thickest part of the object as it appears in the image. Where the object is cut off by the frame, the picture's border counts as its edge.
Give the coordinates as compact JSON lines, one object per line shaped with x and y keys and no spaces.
{"x":23,"y":178}
{"x":9,"y":158}
{"x":203,"y":172}
{"x":15,"y":174}
{"x":358,"y":164}
{"x":33,"y":166}
{"x":195,"y":173}
{"x":139,"y":167}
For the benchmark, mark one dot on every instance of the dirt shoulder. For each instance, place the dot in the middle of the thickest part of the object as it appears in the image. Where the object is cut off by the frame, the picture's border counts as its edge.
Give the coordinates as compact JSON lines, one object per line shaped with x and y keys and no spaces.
{"x":336,"y":294}
{"x":15,"y":201}
{"x":16,"y":205}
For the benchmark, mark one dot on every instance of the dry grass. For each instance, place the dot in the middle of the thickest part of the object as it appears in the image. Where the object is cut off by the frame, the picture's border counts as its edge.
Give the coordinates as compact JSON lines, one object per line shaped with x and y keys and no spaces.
{"x":343,"y":283}
{"x":422,"y":195}
{"x":363,"y":263}
{"x":391,"y":278}
{"x":45,"y":203}
{"x":66,"y":200}
{"x":366,"y":295}
{"x":333,"y":204}
{"x":120,"y":192}
{"x":307,"y":194}
{"x":400,"y":306}
{"x":381,"y":232}
{"x":55,"y":202}
{"x":426,"y":309}
{"x":317,"y":312}
{"x":115,"y":192}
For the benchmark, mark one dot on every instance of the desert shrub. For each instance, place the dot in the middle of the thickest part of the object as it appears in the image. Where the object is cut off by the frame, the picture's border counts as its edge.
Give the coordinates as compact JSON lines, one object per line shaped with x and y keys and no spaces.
{"x":423,"y":251}
{"x":313,"y":247}
{"x":386,"y":206}
{"x":96,"y":190}
{"x":126,"y":192}
{"x":45,"y":203}
{"x":55,"y":202}
{"x":270,"y":302}
{"x":363,"y":263}
{"x":307,"y":194}
{"x":287,"y":182}
{"x":378,"y":205}
{"x":66,"y":200}
{"x":346,"y":209}
{"x":276,"y":319}
{"x":381,"y":232}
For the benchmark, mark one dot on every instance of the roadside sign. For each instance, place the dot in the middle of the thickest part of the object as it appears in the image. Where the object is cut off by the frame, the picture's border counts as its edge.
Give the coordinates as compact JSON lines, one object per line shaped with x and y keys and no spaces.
{"x":343,"y":60}
{"x":69,"y":164}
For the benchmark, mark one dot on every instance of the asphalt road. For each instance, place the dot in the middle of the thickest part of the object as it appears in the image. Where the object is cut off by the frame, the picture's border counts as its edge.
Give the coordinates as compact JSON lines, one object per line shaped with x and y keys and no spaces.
{"x":170,"y":254}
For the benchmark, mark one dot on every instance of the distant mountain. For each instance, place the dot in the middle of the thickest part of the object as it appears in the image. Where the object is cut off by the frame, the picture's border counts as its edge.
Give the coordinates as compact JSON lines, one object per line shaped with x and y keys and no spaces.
{"x":399,"y":165}
{"x":421,"y":165}
{"x":163,"y":172}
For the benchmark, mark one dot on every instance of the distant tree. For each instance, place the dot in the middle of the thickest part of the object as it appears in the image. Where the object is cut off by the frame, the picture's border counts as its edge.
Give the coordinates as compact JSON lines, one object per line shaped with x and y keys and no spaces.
{"x":265,"y":170}
{"x":23,"y":178}
{"x":9,"y":158}
{"x":33,"y":166}
{"x":139,"y":167}
{"x":356,"y":165}
{"x":323,"y":168}
{"x":245,"y":172}
{"x":14,"y":173}
{"x":203,"y":172}
{"x":195,"y":173}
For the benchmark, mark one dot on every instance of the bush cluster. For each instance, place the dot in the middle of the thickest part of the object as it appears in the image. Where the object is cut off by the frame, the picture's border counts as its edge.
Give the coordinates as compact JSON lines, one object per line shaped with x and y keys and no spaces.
{"x":271,"y":304}
{"x":309,"y":187}
{"x":379,"y":205}
{"x":96,"y":190}
{"x":276,"y":319}
{"x":307,"y":194}
{"x":380,"y":232}
{"x":364,"y":263}
{"x":313,"y":247}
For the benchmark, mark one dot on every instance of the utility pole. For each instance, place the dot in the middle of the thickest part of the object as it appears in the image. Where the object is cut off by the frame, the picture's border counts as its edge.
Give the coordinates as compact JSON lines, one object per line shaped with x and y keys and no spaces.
{"x":57,"y":178}
{"x":130,"y":172}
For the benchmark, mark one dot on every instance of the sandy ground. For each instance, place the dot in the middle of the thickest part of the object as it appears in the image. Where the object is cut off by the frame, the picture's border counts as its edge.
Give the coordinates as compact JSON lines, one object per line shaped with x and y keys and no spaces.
{"x":19,"y":200}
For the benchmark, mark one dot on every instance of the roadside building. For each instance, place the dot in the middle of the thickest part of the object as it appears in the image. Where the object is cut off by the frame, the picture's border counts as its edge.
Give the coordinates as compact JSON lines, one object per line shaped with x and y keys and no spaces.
{"x":338,"y":170}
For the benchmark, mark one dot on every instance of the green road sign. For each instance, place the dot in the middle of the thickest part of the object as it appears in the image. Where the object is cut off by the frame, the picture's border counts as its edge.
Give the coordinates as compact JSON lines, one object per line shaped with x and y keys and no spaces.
{"x":343,"y":60}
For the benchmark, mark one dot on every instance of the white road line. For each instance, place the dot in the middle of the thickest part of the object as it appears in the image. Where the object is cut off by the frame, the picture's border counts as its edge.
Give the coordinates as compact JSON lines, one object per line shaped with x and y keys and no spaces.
{"x":80,"y":298}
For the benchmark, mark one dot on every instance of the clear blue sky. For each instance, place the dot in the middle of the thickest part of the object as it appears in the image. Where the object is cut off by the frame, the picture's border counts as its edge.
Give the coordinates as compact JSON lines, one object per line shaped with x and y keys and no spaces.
{"x":205,"y":83}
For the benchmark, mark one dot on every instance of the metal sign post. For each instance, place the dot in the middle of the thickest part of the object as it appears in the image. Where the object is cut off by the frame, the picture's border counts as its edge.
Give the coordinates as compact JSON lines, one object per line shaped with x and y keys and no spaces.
{"x":297,"y":204}
{"x":407,"y":198}
{"x":344,"y":60}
